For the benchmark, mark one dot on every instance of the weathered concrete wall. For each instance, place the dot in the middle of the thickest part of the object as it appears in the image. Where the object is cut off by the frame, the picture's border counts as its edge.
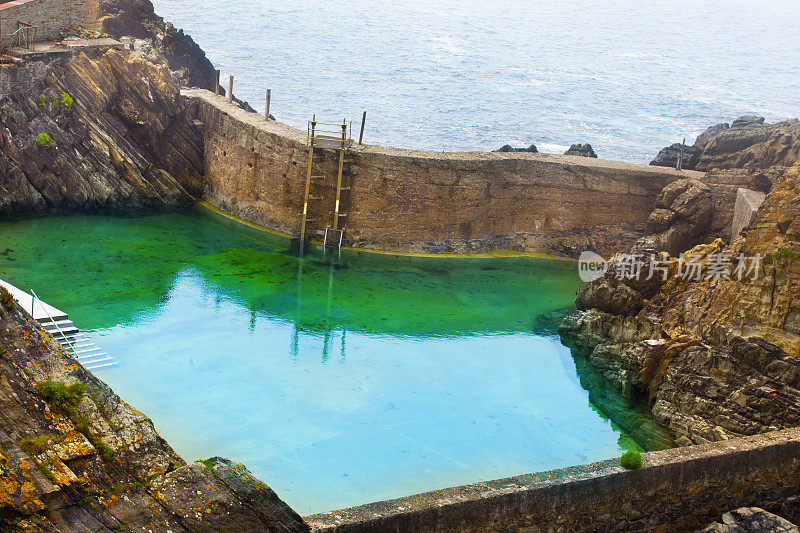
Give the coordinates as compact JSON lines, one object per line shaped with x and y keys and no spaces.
{"x":428,"y":201}
{"x":681,"y":489}
{"x":49,"y":16}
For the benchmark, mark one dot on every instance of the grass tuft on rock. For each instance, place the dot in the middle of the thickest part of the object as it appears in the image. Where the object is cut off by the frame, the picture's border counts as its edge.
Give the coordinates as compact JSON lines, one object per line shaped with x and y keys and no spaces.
{"x":63,"y":398}
{"x":35,"y":445}
{"x":631,"y":460}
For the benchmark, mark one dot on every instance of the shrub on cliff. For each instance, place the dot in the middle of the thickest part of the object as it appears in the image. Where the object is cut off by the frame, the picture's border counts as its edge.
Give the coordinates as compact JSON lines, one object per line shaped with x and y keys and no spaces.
{"x":44,"y":139}
{"x":631,"y":460}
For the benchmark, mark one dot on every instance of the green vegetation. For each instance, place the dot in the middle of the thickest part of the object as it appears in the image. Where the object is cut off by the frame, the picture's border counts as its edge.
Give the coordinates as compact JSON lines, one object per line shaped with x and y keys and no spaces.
{"x":47,"y":473}
{"x":63,"y":398}
{"x":42,"y":100}
{"x":207,"y":462}
{"x":631,"y":460}
{"x":786,"y":253}
{"x":44,"y":139}
{"x":35,"y":445}
{"x":66,"y":101}
{"x":87,"y":499}
{"x":27,"y":371}
{"x":6,"y":299}
{"x":107,"y":453}
{"x":701,"y":303}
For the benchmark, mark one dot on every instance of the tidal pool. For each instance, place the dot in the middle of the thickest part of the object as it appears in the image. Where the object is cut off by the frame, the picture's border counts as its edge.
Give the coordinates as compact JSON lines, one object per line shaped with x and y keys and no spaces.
{"x":338,"y":382}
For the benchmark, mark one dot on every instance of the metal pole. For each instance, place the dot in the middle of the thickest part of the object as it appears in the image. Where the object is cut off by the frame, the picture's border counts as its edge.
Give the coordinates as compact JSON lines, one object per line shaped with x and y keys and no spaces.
{"x":216,"y":88}
{"x":308,"y":183}
{"x":339,"y":177}
{"x":363,"y":120}
{"x":680,"y":159}
{"x":230,"y":89}
{"x":269,"y":97}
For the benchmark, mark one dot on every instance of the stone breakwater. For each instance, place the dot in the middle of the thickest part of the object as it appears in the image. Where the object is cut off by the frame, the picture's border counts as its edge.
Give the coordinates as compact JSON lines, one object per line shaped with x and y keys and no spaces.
{"x":409,"y":200}
{"x":681,"y":489}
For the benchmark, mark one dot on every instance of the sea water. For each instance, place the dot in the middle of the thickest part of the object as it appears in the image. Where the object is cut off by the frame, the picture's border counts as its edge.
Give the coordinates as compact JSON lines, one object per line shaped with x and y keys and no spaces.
{"x":627,"y":76}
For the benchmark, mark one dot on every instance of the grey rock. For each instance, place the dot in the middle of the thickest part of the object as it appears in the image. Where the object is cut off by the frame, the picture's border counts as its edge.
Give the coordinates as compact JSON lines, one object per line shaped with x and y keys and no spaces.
{"x":751,"y":520}
{"x":747,"y":120}
{"x":609,"y":296}
{"x":508,"y":148}
{"x":582,"y":150}
{"x":704,"y":138}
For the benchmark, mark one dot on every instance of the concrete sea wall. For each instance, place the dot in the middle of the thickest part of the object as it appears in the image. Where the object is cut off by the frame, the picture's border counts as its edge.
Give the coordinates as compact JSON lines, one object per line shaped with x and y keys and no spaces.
{"x":681,"y":489}
{"x":410,"y":200}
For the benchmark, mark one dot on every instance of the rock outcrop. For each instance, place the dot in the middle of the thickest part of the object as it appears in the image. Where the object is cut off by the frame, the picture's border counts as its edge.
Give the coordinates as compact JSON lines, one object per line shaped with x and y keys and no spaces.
{"x":715,"y":343}
{"x":122,"y":139}
{"x":751,"y":520}
{"x":137,"y":18}
{"x":508,"y":148}
{"x":582,"y":150}
{"x":747,"y":143}
{"x":75,"y":457}
{"x":681,"y":218}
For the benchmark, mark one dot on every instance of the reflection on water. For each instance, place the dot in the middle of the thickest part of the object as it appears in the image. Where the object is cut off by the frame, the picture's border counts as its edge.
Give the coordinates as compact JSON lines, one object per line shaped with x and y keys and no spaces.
{"x":337,"y":381}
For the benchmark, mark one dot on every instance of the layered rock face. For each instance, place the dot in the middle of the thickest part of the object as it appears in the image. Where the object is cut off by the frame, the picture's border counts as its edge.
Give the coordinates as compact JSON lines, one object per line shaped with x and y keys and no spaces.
{"x":137,"y":18}
{"x":715,"y":353}
{"x":747,"y":143}
{"x":77,"y":458}
{"x":123,"y":139}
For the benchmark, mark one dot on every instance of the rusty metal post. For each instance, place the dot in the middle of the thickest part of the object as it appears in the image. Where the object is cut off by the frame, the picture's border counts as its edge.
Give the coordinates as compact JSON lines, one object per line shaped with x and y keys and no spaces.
{"x":363,"y":120}
{"x":216,"y":87}
{"x":230,"y":89}
{"x":269,"y":97}
{"x":680,"y":158}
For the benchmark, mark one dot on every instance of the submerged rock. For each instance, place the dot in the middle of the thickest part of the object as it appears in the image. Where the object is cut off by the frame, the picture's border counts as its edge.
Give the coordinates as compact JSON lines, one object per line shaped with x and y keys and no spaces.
{"x":582,"y":150}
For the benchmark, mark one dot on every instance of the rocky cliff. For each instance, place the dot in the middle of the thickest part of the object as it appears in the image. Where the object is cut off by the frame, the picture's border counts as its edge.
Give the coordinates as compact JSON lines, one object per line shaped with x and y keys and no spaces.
{"x":101,"y":132}
{"x":75,"y":457}
{"x":714,"y":349}
{"x":137,"y":18}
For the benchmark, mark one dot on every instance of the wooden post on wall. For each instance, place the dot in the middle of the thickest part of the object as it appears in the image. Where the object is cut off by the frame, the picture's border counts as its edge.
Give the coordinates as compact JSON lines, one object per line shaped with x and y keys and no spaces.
{"x":216,"y":88}
{"x":230,"y":89}
{"x":269,"y":97}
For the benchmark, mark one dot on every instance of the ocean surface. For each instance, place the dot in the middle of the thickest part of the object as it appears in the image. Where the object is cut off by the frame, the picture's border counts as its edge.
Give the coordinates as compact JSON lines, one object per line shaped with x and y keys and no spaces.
{"x":628,"y":76}
{"x":336,"y":382}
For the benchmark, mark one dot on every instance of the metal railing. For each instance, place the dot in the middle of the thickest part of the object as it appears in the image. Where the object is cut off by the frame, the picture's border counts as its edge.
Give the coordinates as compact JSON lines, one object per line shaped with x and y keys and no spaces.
{"x":58,"y":328}
{"x":24,"y":37}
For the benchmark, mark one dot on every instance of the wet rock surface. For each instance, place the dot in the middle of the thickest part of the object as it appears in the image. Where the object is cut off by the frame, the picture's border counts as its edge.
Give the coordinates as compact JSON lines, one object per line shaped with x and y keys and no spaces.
{"x":508,"y":148}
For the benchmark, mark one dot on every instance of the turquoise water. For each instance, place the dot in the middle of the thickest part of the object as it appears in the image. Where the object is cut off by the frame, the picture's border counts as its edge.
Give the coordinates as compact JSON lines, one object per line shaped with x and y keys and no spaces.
{"x":336,"y":382}
{"x":627,"y":76}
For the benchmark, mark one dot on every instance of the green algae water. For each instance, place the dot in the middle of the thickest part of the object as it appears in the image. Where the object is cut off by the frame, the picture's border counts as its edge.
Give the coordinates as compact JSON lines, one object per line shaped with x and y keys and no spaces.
{"x":337,"y":381}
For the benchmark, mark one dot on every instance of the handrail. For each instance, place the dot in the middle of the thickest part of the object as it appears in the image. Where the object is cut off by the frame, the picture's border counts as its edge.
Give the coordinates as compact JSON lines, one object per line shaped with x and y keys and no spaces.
{"x":25,"y":35}
{"x":63,"y":335}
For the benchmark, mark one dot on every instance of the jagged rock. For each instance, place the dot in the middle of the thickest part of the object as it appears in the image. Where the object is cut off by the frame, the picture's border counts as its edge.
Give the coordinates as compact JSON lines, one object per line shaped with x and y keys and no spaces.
{"x":760,"y":182}
{"x":582,"y":150}
{"x":757,"y":147}
{"x":704,"y":138}
{"x":137,"y":18}
{"x":508,"y":148}
{"x":747,"y":120}
{"x":609,"y":296}
{"x":751,"y":520}
{"x":668,"y":157}
{"x":682,"y":216}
